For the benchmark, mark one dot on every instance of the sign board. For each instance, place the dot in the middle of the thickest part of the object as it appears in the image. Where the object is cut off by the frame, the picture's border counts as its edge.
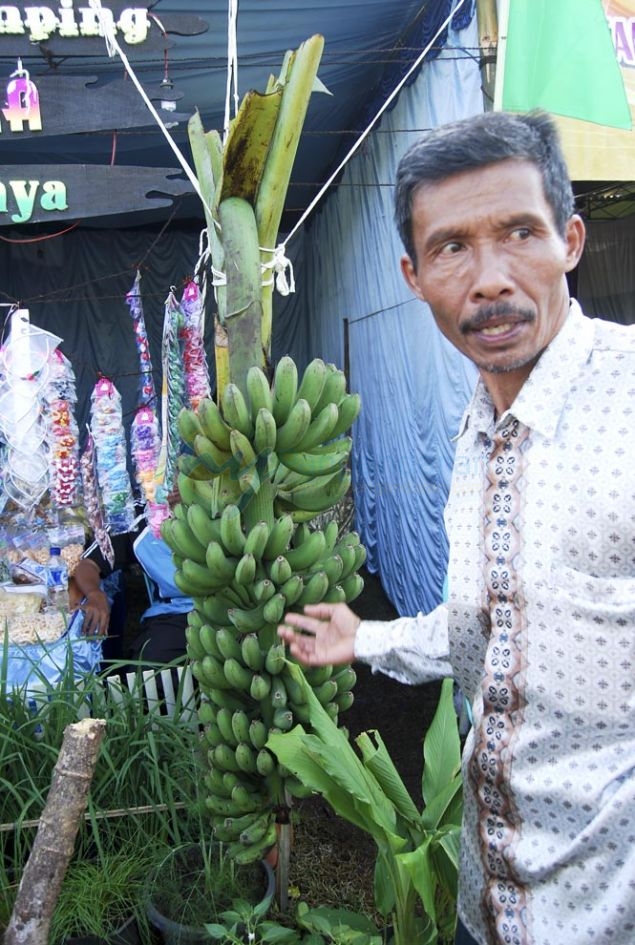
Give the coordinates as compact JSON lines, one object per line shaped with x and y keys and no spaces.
{"x":597,"y":152}
{"x":52,"y":192}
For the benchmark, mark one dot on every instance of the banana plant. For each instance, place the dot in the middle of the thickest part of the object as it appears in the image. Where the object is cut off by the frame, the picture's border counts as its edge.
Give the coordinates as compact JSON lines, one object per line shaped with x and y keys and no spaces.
{"x":264,"y":460}
{"x":417,"y":850}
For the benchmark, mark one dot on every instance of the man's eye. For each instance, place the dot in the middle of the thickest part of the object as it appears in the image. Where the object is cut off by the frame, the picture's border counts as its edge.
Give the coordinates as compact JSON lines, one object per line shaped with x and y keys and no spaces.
{"x":520,"y":233}
{"x":450,"y":249}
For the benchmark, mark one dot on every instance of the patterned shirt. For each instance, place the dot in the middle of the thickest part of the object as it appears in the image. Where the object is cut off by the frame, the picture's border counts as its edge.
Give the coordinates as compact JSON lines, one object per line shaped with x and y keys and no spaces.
{"x":539,"y":632}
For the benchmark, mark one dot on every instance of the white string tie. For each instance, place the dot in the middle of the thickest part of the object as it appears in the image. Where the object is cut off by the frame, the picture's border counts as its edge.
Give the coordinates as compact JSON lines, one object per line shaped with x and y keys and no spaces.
{"x":279,"y":265}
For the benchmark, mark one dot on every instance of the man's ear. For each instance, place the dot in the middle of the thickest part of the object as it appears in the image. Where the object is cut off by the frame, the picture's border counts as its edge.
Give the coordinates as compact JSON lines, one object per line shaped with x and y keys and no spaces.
{"x":410,"y":275}
{"x":575,"y":236}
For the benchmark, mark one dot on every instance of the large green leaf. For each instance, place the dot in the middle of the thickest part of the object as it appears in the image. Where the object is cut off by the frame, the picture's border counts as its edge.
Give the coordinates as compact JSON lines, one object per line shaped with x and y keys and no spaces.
{"x":441,"y":746}
{"x":377,"y":760}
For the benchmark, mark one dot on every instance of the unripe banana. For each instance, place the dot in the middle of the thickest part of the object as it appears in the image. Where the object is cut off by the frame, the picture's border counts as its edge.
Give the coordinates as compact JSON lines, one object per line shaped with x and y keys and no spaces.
{"x":296,"y":788}
{"x":294,"y":428}
{"x":258,"y":733}
{"x":225,"y":699}
{"x":235,"y":409}
{"x":349,"y":408}
{"x":200,"y":580}
{"x":265,"y":432}
{"x":221,"y":568}
{"x":278,"y":694}
{"x":258,"y":389}
{"x":360,"y":556}
{"x":195,"y":649}
{"x":333,"y":567}
{"x":332,"y":710}
{"x":214,"y":782}
{"x":186,"y":489}
{"x":231,"y":530}
{"x":280,"y":570}
{"x":321,"y":460}
{"x":326,"y":692}
{"x":306,"y":554}
{"x":275,"y":659}
{"x":228,"y":644}
{"x":331,"y":531}
{"x":292,"y":589}
{"x":313,"y":381}
{"x":352,"y":586}
{"x":246,"y":758}
{"x":251,"y":654}
{"x":279,"y":537}
{"x":319,"y":430}
{"x":204,"y":528}
{"x":346,"y":677}
{"x":263,"y":590}
{"x":246,"y":570}
{"x":224,"y":723}
{"x":217,"y":461}
{"x":314,"y":589}
{"x":188,"y":425}
{"x":273,"y":610}
{"x":206,"y":712}
{"x":213,"y":735}
{"x":316,"y":675}
{"x":344,"y":700}
{"x":319,"y":494}
{"x":285,"y":387}
{"x":347,"y":554}
{"x":335,"y":595}
{"x":283,"y":719}
{"x":242,"y":450}
{"x":247,"y":620}
{"x":237,"y":675}
{"x":212,"y":423}
{"x":256,"y":540}
{"x":334,"y":388}
{"x":258,"y":829}
{"x":213,"y":673}
{"x":295,"y":690}
{"x":242,"y":855}
{"x":214,"y":608}
{"x":240,"y":726}
{"x":260,"y":686}
{"x":225,"y":758}
{"x":265,"y":763}
{"x":207,"y":637}
{"x":194,"y":468}
{"x":186,"y":542}
{"x":219,"y":806}
{"x":246,"y":800}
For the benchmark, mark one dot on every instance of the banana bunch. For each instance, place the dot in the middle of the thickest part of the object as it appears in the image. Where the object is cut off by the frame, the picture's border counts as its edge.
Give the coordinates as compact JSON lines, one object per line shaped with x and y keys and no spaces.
{"x":261,"y":467}
{"x":288,"y":434}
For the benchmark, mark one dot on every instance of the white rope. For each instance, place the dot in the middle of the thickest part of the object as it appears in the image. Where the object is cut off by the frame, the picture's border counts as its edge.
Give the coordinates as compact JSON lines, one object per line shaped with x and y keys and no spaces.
{"x":232,"y":66}
{"x":113,"y":46}
{"x":373,"y":122}
{"x":279,"y":265}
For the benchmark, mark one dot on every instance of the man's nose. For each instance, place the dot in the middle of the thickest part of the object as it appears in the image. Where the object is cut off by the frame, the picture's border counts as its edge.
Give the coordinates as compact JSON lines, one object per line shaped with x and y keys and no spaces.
{"x":491,"y":276}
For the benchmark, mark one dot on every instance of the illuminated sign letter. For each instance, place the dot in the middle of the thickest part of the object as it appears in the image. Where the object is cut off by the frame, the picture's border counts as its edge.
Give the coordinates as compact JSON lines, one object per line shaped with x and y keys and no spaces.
{"x":25,"y":198}
{"x":54,"y":195}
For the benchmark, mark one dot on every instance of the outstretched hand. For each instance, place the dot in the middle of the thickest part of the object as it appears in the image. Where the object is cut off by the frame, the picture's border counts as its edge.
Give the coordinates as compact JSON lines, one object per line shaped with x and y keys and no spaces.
{"x":324,"y":634}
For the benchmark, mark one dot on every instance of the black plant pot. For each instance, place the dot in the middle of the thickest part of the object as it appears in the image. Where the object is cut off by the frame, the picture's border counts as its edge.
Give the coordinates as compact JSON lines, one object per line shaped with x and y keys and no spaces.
{"x":175,"y":932}
{"x":126,"y":934}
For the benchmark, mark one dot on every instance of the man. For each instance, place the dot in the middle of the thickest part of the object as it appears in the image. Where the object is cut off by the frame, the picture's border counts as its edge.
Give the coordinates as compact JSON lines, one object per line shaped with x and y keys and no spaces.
{"x":539,"y":625}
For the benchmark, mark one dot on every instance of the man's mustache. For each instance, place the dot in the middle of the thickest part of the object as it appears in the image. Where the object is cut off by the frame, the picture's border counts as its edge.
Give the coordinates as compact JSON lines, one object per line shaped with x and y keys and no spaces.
{"x":498,"y":310}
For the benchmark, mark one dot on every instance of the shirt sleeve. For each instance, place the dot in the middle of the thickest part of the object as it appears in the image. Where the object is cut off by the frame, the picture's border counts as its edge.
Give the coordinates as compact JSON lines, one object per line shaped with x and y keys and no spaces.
{"x":412,"y":650}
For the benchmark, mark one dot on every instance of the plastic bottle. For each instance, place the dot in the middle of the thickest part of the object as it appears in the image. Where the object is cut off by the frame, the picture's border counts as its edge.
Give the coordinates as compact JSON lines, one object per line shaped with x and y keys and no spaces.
{"x":57,"y":581}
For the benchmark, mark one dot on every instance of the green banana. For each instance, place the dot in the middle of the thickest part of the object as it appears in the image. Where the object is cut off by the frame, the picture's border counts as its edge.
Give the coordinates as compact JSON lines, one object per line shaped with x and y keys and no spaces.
{"x":258,"y":829}
{"x":349,"y":408}
{"x":242,"y":450}
{"x":275,"y":659}
{"x":352,"y":586}
{"x":314,"y":589}
{"x":279,"y":537}
{"x":205,"y":494}
{"x":292,"y":589}
{"x":193,"y":467}
{"x":207,"y":637}
{"x":256,"y":540}
{"x":206,"y":712}
{"x":186,"y":488}
{"x":188,"y":425}
{"x":278,"y":694}
{"x":283,"y":719}
{"x":258,"y":733}
{"x":331,"y":531}
{"x":313,"y":381}
{"x":296,"y":788}
{"x":221,"y":567}
{"x":246,"y":800}
{"x":251,"y":654}
{"x":195,"y":649}
{"x":344,"y":700}
{"x":265,"y":432}
{"x":316,"y":675}
{"x":225,"y":699}
{"x":199,"y":576}
{"x":237,"y":675}
{"x":214,"y":782}
{"x":225,"y":758}
{"x":265,"y":763}
{"x":212,"y":673}
{"x":280,"y":570}
{"x":231,"y":530}
{"x":240,"y":726}
{"x":294,"y":428}
{"x":312,"y":549}
{"x":245,"y":570}
{"x":235,"y":409}
{"x":319,"y":430}
{"x":333,"y":567}
{"x":228,"y":644}
{"x":212,"y":423}
{"x":260,"y":686}
{"x":246,"y":758}
{"x":285,"y":387}
{"x":186,"y":541}
{"x":212,"y":735}
{"x":256,"y":851}
{"x":335,"y":595}
{"x":214,"y":608}
{"x":321,"y":460}
{"x":247,"y":620}
{"x":263,"y":590}
{"x":326,"y":692}
{"x":208,"y":453}
{"x":258,"y":389}
{"x":334,"y":388}
{"x":274,"y":608}
{"x":319,"y":494}
{"x":203,"y":527}
{"x":360,"y":556}
{"x":224,"y":718}
{"x":346,"y":677}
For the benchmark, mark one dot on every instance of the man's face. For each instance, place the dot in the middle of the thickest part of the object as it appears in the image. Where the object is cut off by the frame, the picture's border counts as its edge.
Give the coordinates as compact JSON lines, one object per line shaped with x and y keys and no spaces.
{"x":491,"y":265}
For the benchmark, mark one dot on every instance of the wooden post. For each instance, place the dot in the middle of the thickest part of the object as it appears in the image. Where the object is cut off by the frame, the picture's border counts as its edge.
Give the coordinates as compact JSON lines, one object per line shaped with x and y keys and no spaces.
{"x":55,"y":839}
{"x":488,"y":42}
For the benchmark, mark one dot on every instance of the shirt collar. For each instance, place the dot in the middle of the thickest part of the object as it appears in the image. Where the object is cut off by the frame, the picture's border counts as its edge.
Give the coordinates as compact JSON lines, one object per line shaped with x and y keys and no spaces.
{"x":541,"y":400}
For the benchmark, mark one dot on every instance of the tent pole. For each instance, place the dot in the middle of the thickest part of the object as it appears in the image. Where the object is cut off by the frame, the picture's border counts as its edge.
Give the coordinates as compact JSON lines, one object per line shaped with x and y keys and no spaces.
{"x":488,"y":40}
{"x":503,"y":20}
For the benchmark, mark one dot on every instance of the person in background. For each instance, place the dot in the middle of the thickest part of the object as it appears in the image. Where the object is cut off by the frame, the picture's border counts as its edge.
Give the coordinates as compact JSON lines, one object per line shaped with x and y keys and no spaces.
{"x":539,"y":625}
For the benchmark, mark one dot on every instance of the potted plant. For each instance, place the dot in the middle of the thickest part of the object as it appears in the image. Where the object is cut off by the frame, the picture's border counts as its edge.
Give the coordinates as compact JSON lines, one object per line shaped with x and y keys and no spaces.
{"x":417,"y":850}
{"x":194,"y":884}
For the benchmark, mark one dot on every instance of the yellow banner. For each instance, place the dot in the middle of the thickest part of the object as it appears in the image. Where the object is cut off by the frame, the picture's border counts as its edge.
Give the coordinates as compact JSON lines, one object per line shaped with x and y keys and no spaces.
{"x":596,"y":152}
